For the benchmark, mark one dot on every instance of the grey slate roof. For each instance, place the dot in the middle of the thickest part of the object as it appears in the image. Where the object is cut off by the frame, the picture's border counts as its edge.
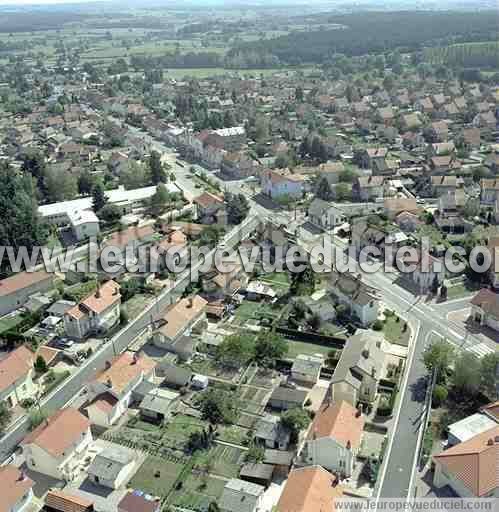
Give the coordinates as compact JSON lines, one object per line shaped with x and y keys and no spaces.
{"x":360,"y":354}
{"x":240,"y":496}
{"x":108,"y":463}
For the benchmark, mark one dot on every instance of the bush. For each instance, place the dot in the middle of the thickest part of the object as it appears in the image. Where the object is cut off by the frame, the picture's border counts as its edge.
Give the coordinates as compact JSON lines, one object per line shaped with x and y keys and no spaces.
{"x":378,"y":325}
{"x":440,"y":394}
{"x":27,"y":403}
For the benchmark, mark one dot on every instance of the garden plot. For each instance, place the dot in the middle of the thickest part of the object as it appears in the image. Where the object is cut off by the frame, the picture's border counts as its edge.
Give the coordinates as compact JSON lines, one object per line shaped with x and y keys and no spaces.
{"x":156,"y":476}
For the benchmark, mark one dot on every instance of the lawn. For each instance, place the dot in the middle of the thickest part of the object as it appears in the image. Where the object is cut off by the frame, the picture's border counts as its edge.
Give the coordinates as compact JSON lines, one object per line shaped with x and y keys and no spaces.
{"x":394,"y":331}
{"x":137,"y":304}
{"x":251,"y":399}
{"x":156,"y":476}
{"x":461,"y":290}
{"x":9,"y":321}
{"x":233,"y":434}
{"x":222,"y":460}
{"x":299,"y":347}
{"x":179,"y":429}
{"x":197,"y":492}
{"x":277,"y":279}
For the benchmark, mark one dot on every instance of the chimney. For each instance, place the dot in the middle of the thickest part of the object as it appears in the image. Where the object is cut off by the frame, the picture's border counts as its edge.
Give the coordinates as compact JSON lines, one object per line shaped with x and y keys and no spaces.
{"x":135,"y":358}
{"x":97,"y":292}
{"x":108,"y":365}
{"x":358,"y":413}
{"x":109,"y":383}
{"x":189,"y":302}
{"x":22,"y":476}
{"x":373,"y":372}
{"x":349,"y":445}
{"x":365,"y":353}
{"x":490,"y":442}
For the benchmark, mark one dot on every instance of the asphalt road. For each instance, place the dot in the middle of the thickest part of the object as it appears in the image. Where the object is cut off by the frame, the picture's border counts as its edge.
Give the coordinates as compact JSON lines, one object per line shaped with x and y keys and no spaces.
{"x":119,"y":343}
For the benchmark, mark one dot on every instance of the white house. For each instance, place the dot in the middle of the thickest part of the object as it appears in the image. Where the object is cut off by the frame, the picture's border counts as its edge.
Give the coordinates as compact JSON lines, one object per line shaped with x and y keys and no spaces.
{"x":470,"y":468}
{"x":241,"y":496}
{"x":84,"y":224}
{"x":361,"y":299}
{"x":334,"y":438}
{"x":485,"y":308}
{"x":469,"y":427}
{"x":178,"y":322}
{"x":16,"y":490}
{"x":97,"y":313}
{"x":359,"y":369}
{"x":277,"y":184}
{"x":325,"y":215}
{"x":16,"y":377}
{"x":18,"y":288}
{"x":111,"y":392}
{"x":113,"y":466}
{"x":59,"y":445}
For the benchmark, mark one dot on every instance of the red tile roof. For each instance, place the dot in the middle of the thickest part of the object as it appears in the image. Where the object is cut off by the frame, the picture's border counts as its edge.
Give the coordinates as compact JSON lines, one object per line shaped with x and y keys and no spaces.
{"x":61,"y":431}
{"x":15,"y":366}
{"x":22,"y":280}
{"x":13,"y":486}
{"x":474,"y":462}
{"x":340,"y":421}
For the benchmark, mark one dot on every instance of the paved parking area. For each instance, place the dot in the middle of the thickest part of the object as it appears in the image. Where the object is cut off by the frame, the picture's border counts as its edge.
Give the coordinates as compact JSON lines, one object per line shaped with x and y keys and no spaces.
{"x":372,"y":443}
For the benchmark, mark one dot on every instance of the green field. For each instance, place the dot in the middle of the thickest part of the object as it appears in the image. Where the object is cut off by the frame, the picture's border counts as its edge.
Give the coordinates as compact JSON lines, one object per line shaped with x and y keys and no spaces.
{"x":8,"y":322}
{"x":299,"y":347}
{"x":156,"y":476}
{"x":223,"y":461}
{"x":197,"y":492}
{"x":394,"y":331}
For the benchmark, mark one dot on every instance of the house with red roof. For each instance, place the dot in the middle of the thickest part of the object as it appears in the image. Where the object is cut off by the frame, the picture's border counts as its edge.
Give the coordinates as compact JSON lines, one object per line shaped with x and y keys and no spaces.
{"x":470,"y":468}
{"x":16,"y":376}
{"x":16,"y":490}
{"x":96,"y":313}
{"x":59,"y":445}
{"x":334,"y":438}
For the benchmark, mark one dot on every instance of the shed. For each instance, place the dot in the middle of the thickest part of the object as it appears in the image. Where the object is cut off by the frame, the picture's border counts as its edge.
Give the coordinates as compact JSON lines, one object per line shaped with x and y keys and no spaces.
{"x":112,"y":467}
{"x":257,"y":473}
{"x":200,"y":381}
{"x":158,"y":405}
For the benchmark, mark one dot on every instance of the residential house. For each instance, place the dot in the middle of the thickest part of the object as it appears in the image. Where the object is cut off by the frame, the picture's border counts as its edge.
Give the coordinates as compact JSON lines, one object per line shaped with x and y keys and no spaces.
{"x":96,"y":313}
{"x":367,"y":157}
{"x":241,"y":496}
{"x":467,"y":428}
{"x":239,"y":165}
{"x":207,"y":207}
{"x":408,"y":222}
{"x":470,"y":468}
{"x":394,"y":206}
{"x":270,"y":433}
{"x":18,"y":288}
{"x":410,"y":122}
{"x":260,"y":474}
{"x":174,"y":376}
{"x":309,"y":489}
{"x":485,"y":309}
{"x":485,"y":120}
{"x":281,"y":184}
{"x":159,"y":405}
{"x":84,"y":224}
{"x":59,"y":445}
{"x":111,"y":393}
{"x":362,"y":300}
{"x":444,"y":163}
{"x":306,"y":369}
{"x":442,"y":185}
{"x":16,"y":490}
{"x":334,"y":438}
{"x":16,"y":377}
{"x":323,"y":214}
{"x":357,"y":374}
{"x":336,"y":146}
{"x":113,"y":466}
{"x":368,"y":188}
{"x":441,"y":149}
{"x":489,"y":190}
{"x":174,"y":328}
{"x":428,"y":272}
{"x":221,"y":285}
{"x":331,"y":171}
{"x":284,"y":398}
{"x":439,"y":131}
{"x":471,"y":138}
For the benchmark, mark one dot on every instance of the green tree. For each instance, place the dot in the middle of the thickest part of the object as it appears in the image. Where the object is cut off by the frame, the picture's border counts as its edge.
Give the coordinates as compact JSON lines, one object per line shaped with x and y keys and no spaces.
{"x":40,"y":365}
{"x":440,"y":394}
{"x":466,"y":378}
{"x":218,"y":407}
{"x":85,"y":182}
{"x":210,"y":236}
{"x":156,"y":168}
{"x":110,"y":213}
{"x":36,"y":417}
{"x":136,"y":175}
{"x":269,"y":347}
{"x":235,"y":350}
{"x":60,"y":185}
{"x":323,"y":190}
{"x":488,"y":373}
{"x":439,"y":356}
{"x":99,"y":198}
{"x":21,"y":225}
{"x":343,"y":192}
{"x":303,"y":283}
{"x":237,"y":207}
{"x":160,"y":200}
{"x":5,"y":416}
{"x":295,"y":420}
